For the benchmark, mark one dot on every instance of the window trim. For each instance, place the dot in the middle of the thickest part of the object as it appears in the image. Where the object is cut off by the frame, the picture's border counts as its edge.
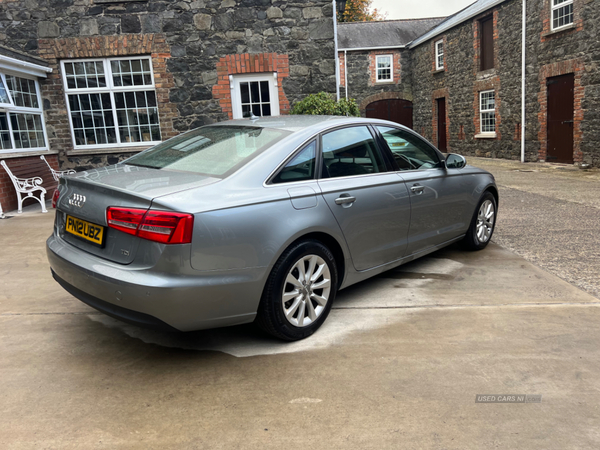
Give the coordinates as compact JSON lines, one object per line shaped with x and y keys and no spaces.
{"x":554,"y":7}
{"x":408,"y":131}
{"x":110,"y":89}
{"x":6,"y":109}
{"x":11,"y":103}
{"x":236,"y":95}
{"x":482,"y":111}
{"x":391,"y":79}
{"x":439,"y":54}
{"x":294,"y":154}
{"x":378,"y":148}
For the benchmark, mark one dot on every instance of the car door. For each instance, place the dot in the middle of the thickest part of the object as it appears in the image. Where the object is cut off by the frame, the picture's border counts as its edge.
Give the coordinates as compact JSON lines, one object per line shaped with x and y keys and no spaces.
{"x":440,"y":208}
{"x":369,"y":201}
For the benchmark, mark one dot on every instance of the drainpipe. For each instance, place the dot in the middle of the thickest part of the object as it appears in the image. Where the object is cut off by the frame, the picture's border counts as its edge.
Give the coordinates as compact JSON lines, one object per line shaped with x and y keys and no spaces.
{"x":337,"y":58}
{"x":523,"y":69}
{"x":346,"y":72}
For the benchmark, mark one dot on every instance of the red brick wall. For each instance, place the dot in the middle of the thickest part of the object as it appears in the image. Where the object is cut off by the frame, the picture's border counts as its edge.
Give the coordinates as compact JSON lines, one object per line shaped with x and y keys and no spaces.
{"x":489,"y":82}
{"x":342,"y":58}
{"x":26,"y":167}
{"x":53,"y":50}
{"x":547,"y":32}
{"x":396,"y":66}
{"x":434,"y":58}
{"x":250,"y":63}
{"x":440,"y":93}
{"x":476,"y":41}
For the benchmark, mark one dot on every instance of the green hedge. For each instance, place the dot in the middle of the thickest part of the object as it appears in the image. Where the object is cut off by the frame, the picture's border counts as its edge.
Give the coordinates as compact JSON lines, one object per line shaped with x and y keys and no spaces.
{"x":323,"y":104}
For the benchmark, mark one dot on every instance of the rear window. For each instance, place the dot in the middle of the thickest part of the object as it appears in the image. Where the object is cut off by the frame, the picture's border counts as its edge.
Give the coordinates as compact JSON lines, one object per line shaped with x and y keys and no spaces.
{"x":212,"y":150}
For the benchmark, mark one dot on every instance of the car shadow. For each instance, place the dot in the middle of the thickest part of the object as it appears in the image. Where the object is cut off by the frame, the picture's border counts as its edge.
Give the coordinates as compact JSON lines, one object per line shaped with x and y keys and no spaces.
{"x":350,"y":313}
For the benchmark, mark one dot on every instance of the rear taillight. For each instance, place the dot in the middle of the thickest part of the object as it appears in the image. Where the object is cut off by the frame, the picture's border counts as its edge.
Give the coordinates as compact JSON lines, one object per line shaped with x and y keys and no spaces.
{"x":158,"y":226}
{"x":55,"y":198}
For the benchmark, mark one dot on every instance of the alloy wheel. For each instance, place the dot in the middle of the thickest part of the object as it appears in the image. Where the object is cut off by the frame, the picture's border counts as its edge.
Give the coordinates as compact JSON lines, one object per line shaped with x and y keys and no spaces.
{"x":485,"y":221}
{"x":306,"y":290}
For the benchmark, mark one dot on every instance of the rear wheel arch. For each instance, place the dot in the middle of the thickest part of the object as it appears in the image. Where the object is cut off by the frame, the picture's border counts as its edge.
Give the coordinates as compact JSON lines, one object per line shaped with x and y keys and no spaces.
{"x":334,"y":247}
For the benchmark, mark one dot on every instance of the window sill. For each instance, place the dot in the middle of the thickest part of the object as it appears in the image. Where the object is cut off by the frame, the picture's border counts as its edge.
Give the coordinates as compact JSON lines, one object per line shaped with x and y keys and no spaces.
{"x":485,"y":136}
{"x":384,"y":82}
{"x":443,"y":69}
{"x":22,"y":154}
{"x":559,"y":30}
{"x":100,"y":151}
{"x":485,"y":74}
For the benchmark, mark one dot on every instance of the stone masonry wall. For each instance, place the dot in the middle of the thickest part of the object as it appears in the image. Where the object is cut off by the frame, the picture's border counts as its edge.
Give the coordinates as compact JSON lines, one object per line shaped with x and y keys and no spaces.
{"x":575,"y":50}
{"x":361,"y":77}
{"x":188,"y":40}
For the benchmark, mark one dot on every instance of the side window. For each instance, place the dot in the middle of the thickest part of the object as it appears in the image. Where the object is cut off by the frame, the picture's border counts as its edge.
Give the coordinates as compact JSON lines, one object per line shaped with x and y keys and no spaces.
{"x":351,"y":151}
{"x":410,"y":152}
{"x":300,"y":168}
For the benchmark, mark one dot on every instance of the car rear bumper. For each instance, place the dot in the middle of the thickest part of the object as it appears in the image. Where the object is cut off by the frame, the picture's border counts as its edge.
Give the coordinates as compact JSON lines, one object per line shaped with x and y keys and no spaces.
{"x":123,"y":314}
{"x":183,"y":301}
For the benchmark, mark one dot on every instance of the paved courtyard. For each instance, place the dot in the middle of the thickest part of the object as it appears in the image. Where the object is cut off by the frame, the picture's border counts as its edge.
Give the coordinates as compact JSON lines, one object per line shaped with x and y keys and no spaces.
{"x":398,"y":364}
{"x":550,"y":215}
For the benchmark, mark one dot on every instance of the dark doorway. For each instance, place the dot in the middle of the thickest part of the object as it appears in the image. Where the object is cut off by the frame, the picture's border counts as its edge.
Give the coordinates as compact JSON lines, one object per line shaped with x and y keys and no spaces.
{"x":399,"y":111}
{"x":561,"y":103}
{"x":442,"y":142}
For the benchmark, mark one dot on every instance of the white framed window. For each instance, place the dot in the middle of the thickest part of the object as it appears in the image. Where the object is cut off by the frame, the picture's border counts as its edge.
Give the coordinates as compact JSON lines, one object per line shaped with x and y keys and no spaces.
{"x":384,"y":64}
{"x":255,"y":94}
{"x":111,"y":102}
{"x":22,"y":126}
{"x":439,"y":55}
{"x":487,"y":111}
{"x":562,"y":13}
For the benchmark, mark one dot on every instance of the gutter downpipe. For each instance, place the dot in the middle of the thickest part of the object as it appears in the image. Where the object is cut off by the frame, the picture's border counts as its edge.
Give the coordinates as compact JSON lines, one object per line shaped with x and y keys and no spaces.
{"x":346,"y":72}
{"x":523,"y":69}
{"x":337,"y":57}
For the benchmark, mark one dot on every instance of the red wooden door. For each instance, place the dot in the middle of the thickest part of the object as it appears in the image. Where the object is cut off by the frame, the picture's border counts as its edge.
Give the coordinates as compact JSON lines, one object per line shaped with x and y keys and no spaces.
{"x":399,"y":111}
{"x":560,"y":118}
{"x":442,"y":142}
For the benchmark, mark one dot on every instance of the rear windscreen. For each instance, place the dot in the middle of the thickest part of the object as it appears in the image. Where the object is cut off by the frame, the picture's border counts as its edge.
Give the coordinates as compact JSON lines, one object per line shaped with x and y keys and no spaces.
{"x":211,"y":150}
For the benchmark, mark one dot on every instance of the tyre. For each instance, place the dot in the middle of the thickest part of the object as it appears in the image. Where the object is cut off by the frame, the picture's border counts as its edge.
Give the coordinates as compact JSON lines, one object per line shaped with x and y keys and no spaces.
{"x":299,"y":292}
{"x":482,"y":225}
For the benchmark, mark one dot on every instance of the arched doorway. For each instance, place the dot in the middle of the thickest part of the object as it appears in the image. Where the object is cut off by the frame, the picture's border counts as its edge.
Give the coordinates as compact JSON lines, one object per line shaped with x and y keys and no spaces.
{"x":396,"y":110}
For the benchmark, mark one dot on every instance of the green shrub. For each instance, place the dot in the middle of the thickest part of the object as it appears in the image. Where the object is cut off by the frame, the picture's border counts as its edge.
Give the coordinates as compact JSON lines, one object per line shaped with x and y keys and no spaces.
{"x":323,"y":104}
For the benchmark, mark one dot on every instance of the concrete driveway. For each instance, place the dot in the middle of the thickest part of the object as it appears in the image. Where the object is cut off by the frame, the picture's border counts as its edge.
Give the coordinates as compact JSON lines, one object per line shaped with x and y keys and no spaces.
{"x":398,"y":364}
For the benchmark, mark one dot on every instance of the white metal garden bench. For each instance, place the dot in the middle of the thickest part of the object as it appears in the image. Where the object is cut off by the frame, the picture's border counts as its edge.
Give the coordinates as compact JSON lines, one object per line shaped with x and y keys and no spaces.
{"x":27,"y":186}
{"x":56,"y":173}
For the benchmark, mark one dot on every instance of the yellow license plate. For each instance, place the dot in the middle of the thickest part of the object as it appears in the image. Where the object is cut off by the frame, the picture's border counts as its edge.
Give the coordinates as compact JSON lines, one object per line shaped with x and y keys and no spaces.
{"x":85,"y":230}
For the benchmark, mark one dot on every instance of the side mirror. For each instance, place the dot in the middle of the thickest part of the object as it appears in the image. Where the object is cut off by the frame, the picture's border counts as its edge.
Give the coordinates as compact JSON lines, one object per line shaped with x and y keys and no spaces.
{"x":454,"y":161}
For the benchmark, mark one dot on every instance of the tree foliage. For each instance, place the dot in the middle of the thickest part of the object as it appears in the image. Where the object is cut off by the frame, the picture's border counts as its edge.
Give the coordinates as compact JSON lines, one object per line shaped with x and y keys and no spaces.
{"x":323,"y":104}
{"x":360,"y":11}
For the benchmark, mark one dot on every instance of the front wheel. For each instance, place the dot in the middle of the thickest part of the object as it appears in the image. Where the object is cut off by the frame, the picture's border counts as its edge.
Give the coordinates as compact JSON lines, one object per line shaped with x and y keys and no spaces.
{"x":299,"y":292}
{"x":483,"y":223}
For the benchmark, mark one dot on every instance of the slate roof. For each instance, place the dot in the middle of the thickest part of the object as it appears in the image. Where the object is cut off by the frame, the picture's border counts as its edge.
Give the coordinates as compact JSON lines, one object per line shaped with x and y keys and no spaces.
{"x":22,"y":56}
{"x":469,"y":12}
{"x":384,"y":34}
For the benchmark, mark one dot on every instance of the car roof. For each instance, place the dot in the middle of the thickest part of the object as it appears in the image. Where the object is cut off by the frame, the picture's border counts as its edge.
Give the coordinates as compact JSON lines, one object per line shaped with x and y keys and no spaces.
{"x":295,"y":124}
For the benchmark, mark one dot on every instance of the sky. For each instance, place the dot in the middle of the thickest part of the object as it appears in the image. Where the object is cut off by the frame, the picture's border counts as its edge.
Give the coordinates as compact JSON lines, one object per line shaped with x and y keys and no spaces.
{"x":411,"y":9}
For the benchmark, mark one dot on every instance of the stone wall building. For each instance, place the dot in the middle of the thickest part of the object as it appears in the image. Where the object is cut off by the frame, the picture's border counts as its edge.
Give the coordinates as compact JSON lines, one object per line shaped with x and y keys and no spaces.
{"x":376,"y":66}
{"x":464,"y":79}
{"x":89,"y":82}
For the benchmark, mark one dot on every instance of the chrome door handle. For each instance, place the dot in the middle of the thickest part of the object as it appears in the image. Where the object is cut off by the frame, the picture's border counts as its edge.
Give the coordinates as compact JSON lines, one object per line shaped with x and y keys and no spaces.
{"x":345,"y":200}
{"x":417,"y":189}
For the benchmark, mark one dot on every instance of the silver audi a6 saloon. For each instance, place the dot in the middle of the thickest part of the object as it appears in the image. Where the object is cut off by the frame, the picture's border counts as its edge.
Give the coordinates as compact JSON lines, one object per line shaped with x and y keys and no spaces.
{"x":261,"y":220}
